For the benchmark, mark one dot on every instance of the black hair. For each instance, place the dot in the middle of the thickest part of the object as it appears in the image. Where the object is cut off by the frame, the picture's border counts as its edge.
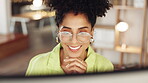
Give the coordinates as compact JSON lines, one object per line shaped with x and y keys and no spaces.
{"x":90,"y":8}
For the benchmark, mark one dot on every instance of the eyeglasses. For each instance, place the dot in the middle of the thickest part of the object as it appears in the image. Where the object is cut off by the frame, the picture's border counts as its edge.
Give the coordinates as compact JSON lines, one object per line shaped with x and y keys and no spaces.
{"x":82,"y":37}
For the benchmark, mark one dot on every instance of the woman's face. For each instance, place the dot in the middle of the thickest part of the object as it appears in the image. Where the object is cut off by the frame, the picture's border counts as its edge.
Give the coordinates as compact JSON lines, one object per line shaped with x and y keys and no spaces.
{"x":75,"y":24}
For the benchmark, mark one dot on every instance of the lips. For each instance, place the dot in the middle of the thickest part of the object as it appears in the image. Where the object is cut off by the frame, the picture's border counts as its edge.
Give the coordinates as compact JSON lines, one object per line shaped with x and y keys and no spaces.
{"x":74,"y":48}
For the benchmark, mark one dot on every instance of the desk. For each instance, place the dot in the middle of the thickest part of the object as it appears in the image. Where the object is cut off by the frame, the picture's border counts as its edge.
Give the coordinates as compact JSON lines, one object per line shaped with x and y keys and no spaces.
{"x":26,"y":17}
{"x":12,"y":43}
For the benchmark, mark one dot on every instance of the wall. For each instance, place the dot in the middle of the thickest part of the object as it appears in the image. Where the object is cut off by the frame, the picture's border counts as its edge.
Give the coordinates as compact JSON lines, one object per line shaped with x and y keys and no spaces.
{"x":5,"y":15}
{"x":132,"y":37}
{"x":146,"y":57}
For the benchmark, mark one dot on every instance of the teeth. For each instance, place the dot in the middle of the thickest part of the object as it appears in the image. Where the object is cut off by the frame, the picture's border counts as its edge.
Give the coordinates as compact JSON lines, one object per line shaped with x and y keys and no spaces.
{"x":74,"y":48}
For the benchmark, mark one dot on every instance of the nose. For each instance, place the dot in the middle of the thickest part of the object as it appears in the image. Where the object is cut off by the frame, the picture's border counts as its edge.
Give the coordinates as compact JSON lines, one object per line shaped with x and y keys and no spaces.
{"x":74,"y":39}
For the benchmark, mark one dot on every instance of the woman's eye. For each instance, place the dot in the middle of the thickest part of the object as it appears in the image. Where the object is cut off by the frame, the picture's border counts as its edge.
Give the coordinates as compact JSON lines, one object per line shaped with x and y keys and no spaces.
{"x":82,"y":33}
{"x":65,"y":32}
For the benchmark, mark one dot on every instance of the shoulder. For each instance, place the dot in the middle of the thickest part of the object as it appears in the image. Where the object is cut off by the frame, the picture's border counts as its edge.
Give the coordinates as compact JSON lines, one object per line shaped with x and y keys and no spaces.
{"x":103,"y":64}
{"x":37,"y":64}
{"x":101,"y":58}
{"x":40,"y":58}
{"x":44,"y":57}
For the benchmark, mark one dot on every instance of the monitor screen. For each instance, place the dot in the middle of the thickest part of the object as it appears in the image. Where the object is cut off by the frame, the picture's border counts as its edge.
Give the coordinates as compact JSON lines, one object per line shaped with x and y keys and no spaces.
{"x":69,"y":39}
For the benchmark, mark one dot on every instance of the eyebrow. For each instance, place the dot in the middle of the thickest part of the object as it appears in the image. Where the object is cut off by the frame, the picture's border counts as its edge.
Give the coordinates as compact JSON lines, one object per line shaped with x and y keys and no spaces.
{"x":70,"y":28}
{"x":66,"y":27}
{"x":83,"y":27}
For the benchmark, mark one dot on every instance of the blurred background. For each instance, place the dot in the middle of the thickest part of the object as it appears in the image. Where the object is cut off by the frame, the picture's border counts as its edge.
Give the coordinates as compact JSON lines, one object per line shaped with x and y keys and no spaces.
{"x":27,"y":28}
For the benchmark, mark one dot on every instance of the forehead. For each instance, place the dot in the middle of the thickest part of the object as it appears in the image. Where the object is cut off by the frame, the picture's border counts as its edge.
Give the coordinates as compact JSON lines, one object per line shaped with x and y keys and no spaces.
{"x":75,"y":21}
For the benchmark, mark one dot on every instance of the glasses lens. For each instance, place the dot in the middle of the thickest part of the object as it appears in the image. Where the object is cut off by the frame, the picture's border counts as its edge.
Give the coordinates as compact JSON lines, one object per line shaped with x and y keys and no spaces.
{"x":83,"y":37}
{"x":65,"y":36}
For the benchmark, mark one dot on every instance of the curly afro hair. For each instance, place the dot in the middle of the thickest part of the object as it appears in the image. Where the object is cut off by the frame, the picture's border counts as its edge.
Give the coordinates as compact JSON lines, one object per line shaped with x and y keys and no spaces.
{"x":90,"y":8}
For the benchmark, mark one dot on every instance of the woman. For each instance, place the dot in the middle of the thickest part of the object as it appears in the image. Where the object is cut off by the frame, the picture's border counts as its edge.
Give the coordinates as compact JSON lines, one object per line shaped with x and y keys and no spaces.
{"x":73,"y":55}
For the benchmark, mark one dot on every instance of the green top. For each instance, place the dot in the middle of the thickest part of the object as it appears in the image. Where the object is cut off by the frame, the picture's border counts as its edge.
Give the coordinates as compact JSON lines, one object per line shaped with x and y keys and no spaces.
{"x":49,"y":63}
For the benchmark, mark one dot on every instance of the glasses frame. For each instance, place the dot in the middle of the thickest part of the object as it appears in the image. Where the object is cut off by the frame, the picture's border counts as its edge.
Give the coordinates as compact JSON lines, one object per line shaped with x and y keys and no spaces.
{"x":76,"y":36}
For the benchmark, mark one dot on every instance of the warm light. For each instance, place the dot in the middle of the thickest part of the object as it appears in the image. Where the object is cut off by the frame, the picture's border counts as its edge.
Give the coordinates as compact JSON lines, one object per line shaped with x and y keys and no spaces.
{"x":37,"y":16}
{"x":123,"y":46}
{"x":122,"y":26}
{"x":37,"y":3}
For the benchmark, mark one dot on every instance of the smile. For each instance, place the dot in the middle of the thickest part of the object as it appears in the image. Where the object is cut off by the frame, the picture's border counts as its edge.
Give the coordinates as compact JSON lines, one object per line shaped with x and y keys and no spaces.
{"x":74,"y":48}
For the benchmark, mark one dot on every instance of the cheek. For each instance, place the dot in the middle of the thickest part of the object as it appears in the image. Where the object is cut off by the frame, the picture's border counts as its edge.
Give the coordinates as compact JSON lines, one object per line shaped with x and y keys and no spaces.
{"x":63,"y":44}
{"x":85,"y":46}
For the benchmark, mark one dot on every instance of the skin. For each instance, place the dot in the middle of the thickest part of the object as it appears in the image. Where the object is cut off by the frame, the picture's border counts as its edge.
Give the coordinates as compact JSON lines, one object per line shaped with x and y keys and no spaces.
{"x":74,"y":61}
